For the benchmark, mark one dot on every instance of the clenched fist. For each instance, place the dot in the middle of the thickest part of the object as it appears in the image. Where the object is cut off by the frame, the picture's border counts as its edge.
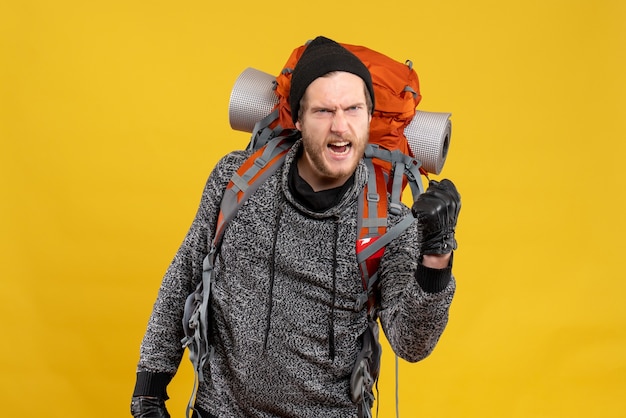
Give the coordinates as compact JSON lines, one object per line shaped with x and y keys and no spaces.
{"x":437,"y":210}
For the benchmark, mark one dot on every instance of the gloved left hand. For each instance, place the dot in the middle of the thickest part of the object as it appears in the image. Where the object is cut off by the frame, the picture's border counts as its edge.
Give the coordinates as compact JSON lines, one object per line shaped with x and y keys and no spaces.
{"x":437,"y":210}
{"x":148,"y":407}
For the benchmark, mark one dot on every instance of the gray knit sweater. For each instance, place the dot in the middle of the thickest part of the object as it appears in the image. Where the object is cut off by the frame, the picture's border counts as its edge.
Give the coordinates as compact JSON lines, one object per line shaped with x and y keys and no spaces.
{"x":284,"y":323}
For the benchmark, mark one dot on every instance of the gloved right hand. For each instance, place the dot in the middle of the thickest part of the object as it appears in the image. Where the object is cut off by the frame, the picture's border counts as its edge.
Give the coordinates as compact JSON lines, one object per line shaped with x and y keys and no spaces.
{"x":148,"y":407}
{"x":437,"y":210}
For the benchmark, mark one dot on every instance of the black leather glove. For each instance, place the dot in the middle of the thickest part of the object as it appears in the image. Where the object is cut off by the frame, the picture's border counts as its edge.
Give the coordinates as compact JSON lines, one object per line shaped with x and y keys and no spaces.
{"x":148,"y":407}
{"x":437,"y":210}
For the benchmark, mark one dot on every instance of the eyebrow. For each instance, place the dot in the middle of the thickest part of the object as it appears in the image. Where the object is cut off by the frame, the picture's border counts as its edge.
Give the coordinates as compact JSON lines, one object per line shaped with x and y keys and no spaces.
{"x":322,"y":106}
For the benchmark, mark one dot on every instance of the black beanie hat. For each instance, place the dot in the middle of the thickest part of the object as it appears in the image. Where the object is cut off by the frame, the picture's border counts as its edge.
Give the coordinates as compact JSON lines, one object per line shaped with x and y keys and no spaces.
{"x":322,"y":56}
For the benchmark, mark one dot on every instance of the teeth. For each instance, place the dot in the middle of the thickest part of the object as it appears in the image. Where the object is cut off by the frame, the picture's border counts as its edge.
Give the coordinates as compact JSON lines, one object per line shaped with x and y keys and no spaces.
{"x":339,"y":147}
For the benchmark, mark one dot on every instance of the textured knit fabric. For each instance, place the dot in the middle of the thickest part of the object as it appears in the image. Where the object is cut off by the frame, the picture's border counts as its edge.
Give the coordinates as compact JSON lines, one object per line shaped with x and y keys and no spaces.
{"x":284,"y":306}
{"x":322,"y":56}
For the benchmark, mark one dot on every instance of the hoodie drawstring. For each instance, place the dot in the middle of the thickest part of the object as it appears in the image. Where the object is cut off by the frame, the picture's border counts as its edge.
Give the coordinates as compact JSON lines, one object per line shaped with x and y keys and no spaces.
{"x":272,"y":272}
{"x":331,"y":320}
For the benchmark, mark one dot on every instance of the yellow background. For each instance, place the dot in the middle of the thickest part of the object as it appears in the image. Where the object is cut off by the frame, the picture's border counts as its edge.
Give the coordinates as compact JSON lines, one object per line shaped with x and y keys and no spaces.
{"x":112,"y":114}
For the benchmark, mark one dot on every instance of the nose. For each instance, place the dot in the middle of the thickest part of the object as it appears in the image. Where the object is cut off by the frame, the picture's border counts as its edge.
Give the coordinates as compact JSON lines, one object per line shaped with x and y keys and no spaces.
{"x":340,"y":123}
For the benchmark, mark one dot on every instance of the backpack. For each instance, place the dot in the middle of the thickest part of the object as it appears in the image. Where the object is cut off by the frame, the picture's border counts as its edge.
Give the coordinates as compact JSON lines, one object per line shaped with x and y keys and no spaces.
{"x":390,"y":159}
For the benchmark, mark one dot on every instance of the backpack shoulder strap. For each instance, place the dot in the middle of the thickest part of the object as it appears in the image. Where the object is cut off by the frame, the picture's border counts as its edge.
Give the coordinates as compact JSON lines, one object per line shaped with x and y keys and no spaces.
{"x":245,"y":181}
{"x":374,"y":233}
{"x":374,"y":236}
{"x":404,"y":169}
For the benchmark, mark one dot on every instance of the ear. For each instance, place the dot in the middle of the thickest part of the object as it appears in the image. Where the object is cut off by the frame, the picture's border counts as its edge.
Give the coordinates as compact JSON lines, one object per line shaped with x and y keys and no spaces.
{"x":298,"y":126}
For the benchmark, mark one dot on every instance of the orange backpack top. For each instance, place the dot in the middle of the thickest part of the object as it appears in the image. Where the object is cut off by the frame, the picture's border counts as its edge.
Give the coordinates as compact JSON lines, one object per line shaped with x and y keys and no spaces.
{"x":396,"y":87}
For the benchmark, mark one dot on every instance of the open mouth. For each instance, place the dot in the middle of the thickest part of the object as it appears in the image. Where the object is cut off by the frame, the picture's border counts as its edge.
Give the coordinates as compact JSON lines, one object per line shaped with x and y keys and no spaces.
{"x":340,"y":148}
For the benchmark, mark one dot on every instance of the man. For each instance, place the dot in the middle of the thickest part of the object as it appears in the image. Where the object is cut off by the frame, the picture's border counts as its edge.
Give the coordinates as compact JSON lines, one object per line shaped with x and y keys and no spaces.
{"x":285,"y":320}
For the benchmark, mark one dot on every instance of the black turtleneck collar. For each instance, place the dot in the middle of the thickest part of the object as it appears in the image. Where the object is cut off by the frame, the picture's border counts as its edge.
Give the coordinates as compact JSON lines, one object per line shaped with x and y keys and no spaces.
{"x":315,"y":201}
